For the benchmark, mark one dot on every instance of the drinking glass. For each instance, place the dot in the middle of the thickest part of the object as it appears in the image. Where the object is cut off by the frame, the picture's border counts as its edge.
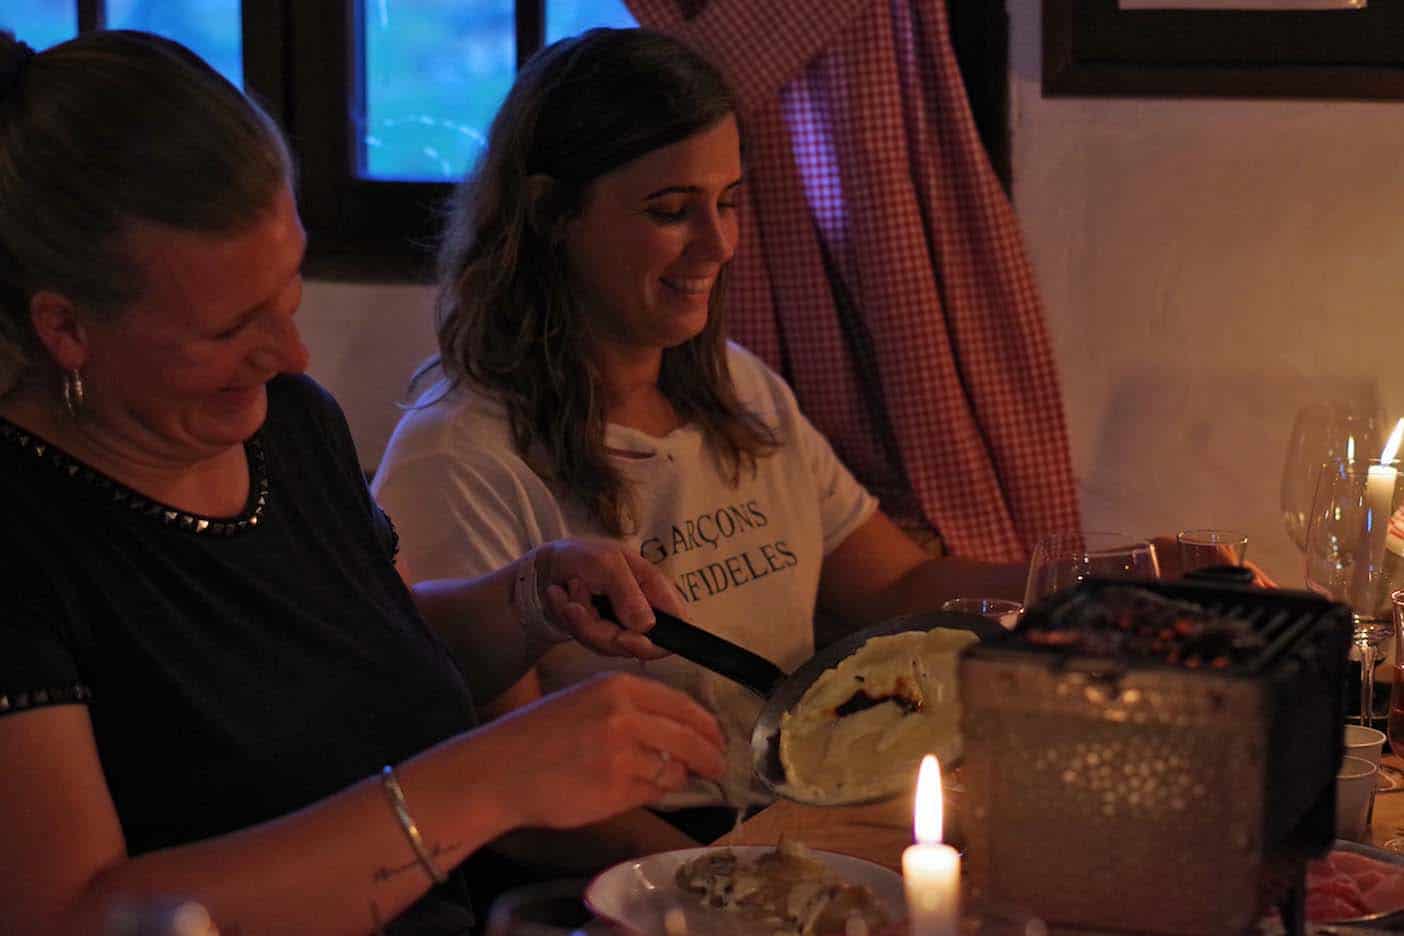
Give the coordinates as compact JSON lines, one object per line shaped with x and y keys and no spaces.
{"x":1395,"y":725}
{"x":1200,"y":549}
{"x":1351,"y":556}
{"x":1061,"y":560}
{"x":1321,"y":432}
{"x":1000,"y":610}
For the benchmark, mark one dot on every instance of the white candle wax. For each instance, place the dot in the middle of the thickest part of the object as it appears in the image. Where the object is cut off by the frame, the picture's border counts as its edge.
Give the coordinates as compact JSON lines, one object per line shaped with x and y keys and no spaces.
{"x":1379,"y":496}
{"x":1379,"y":502}
{"x":931,"y":874}
{"x":931,"y":869}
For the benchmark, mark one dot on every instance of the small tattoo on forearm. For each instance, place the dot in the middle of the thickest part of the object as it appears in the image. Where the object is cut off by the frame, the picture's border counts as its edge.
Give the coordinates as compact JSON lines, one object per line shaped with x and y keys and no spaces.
{"x":436,"y":850}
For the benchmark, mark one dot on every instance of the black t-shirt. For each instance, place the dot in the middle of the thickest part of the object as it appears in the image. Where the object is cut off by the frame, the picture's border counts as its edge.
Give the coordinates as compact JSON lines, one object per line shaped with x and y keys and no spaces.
{"x":234,"y":670}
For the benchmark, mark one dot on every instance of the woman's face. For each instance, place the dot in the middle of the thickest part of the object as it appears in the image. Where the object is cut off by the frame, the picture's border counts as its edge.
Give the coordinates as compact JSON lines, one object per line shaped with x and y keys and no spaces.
{"x":180,"y":373}
{"x":651,"y":236}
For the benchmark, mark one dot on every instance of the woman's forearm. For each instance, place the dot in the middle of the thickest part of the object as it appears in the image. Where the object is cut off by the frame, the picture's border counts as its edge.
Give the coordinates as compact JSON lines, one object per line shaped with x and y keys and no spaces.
{"x":341,"y":865}
{"x":345,"y":864}
{"x":587,"y":849}
{"x":928,"y":585}
{"x":481,"y":625}
{"x":498,"y":625}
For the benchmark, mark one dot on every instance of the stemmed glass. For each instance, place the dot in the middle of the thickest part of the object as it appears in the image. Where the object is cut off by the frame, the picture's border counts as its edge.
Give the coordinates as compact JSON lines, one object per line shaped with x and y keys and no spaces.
{"x":1349,"y":556}
{"x":1321,"y":433}
{"x":1061,"y":560}
{"x":1395,"y":726}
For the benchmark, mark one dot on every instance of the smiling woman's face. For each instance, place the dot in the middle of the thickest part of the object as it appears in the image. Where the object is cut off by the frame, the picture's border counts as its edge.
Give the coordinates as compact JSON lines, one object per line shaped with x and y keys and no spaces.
{"x":651,"y":237}
{"x":180,"y":372}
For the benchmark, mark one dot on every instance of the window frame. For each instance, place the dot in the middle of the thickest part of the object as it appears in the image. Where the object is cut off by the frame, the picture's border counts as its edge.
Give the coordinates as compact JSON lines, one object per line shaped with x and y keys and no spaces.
{"x":300,"y":63}
{"x":359,"y":229}
{"x":299,"y":58}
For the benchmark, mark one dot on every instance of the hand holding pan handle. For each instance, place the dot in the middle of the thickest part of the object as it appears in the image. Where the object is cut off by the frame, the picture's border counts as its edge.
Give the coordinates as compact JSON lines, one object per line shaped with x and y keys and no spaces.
{"x":706,"y":649}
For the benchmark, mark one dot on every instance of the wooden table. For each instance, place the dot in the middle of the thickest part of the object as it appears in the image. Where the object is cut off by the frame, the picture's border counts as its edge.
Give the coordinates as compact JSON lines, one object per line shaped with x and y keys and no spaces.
{"x":880,"y":831}
{"x":877,"y":832}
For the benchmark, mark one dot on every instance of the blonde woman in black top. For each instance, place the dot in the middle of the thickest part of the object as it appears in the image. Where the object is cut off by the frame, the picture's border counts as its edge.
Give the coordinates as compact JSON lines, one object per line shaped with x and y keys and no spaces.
{"x":213,"y":682}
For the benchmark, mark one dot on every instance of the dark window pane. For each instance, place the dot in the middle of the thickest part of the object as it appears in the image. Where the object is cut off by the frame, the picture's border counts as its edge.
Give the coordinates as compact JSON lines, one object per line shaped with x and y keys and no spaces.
{"x":435,"y":72}
{"x":41,"y":23}
{"x":210,"y":28}
{"x":568,"y":17}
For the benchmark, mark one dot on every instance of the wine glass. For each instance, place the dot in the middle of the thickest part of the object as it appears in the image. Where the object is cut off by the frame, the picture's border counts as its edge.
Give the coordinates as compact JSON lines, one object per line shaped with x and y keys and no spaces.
{"x":1352,"y":558}
{"x":1394,"y":728}
{"x":1061,"y":560}
{"x":1321,"y":432}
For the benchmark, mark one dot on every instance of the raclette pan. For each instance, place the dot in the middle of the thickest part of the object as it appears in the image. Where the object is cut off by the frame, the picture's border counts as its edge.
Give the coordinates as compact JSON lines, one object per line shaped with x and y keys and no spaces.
{"x":779,"y":690}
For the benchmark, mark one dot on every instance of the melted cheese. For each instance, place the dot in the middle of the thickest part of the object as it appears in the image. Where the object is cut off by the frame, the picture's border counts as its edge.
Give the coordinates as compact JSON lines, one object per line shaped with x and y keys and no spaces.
{"x":862,"y":727}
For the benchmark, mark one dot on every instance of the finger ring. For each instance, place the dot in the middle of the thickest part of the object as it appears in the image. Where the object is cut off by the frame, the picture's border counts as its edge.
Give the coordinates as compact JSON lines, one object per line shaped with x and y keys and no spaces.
{"x":663,"y":759}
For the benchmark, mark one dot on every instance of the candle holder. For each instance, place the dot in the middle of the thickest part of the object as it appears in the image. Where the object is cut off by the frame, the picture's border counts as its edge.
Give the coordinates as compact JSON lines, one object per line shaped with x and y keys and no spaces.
{"x":1353,"y":558}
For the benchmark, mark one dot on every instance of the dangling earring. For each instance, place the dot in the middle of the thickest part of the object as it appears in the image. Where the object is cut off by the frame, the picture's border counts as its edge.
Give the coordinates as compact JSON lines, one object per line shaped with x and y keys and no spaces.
{"x":73,"y":393}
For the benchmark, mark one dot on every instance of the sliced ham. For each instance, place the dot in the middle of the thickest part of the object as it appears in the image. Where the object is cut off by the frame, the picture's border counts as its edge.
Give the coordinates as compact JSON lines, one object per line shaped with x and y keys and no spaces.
{"x":1344,"y":885}
{"x":1321,"y":908}
{"x":1387,"y":894}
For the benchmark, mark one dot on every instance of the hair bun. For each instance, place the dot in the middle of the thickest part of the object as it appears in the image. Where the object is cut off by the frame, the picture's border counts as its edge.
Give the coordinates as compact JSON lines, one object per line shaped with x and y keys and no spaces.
{"x":14,"y":56}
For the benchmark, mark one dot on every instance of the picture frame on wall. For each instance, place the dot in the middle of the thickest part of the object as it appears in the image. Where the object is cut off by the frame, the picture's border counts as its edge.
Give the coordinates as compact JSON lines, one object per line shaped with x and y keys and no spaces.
{"x":1124,"y":48}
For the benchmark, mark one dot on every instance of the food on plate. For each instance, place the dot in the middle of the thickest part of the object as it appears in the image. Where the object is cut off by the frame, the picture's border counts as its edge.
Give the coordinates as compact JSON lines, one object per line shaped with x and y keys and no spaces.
{"x":788,"y":890}
{"x":1345,"y":885}
{"x":861,"y":729}
{"x":1138,"y":624}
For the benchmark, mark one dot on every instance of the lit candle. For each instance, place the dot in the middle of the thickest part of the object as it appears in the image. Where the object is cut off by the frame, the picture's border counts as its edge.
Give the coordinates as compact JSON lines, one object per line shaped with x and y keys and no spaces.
{"x":1379,"y":499}
{"x":930,"y":869}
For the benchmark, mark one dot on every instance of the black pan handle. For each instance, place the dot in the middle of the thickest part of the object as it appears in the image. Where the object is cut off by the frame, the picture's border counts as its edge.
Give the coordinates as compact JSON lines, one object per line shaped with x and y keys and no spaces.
{"x":706,"y":649}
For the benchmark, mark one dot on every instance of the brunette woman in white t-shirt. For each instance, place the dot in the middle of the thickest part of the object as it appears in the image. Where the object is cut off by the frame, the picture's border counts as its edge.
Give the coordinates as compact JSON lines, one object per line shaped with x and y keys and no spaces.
{"x":584,"y":386}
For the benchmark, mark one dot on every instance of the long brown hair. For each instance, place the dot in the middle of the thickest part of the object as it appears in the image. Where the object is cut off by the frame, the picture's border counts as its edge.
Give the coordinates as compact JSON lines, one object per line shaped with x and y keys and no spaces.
{"x":103,"y":130}
{"x":508,"y":321}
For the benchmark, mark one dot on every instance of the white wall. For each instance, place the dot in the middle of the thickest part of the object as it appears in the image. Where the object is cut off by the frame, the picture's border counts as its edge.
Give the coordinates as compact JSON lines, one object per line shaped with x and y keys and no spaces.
{"x":1208,"y":267}
{"x":366,"y":341}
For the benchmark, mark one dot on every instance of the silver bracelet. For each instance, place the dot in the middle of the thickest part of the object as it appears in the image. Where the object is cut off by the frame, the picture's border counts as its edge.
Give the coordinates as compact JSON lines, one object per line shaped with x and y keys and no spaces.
{"x":402,"y":813}
{"x":526,"y":594}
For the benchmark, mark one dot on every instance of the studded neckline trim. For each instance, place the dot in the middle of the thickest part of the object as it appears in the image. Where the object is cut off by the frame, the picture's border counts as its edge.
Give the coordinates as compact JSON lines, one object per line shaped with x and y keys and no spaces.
{"x":61,"y":462}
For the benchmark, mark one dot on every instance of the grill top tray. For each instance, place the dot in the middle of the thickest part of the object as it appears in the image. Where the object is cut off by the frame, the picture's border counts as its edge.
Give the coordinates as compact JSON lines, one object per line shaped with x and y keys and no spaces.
{"x":1276,"y":621}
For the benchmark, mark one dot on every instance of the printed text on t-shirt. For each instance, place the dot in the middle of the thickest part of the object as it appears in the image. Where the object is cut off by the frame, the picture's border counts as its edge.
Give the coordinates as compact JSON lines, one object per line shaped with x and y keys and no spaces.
{"x":708,"y":532}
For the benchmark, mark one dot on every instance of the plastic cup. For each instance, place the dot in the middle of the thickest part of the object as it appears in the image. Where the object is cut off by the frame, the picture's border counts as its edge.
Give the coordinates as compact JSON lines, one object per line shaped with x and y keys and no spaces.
{"x":1364,"y":743}
{"x":1355,"y":791}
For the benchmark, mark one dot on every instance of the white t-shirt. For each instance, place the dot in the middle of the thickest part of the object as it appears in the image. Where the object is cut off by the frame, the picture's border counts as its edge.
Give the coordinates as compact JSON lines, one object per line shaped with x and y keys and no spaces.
{"x":745,"y":559}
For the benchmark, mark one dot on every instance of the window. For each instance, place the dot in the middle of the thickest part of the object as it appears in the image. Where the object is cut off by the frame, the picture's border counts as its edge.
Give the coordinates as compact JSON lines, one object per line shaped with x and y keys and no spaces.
{"x":435,"y":76}
{"x":210,"y":27}
{"x":397,"y":110}
{"x":386,"y":102}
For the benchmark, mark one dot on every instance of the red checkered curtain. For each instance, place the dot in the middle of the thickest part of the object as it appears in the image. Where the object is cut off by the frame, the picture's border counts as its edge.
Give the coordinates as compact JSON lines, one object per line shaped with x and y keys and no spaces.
{"x":881,"y":267}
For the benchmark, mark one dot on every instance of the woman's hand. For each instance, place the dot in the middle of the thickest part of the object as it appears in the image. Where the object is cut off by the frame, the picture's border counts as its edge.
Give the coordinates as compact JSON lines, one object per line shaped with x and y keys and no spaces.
{"x":603,"y":747}
{"x":571,"y":571}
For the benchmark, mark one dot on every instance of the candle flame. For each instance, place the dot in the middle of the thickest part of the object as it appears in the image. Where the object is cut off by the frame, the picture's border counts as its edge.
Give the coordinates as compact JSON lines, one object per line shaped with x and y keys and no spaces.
{"x":1350,"y":449}
{"x":928,"y":819}
{"x":1392,"y":446}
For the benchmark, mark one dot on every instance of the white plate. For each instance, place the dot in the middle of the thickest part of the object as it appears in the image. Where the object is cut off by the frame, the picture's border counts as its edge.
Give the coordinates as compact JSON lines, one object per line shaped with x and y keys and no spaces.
{"x":635,"y":894}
